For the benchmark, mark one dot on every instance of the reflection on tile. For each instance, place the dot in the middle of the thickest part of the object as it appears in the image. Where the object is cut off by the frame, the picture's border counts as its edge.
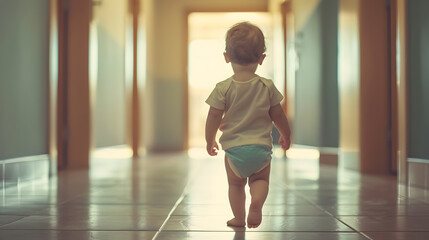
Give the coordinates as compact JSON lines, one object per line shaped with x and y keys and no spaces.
{"x":198,"y":223}
{"x":71,"y":210}
{"x":378,"y":210}
{"x":25,"y":210}
{"x":388,"y":223}
{"x":268,"y":210}
{"x":202,"y":210}
{"x":127,"y":199}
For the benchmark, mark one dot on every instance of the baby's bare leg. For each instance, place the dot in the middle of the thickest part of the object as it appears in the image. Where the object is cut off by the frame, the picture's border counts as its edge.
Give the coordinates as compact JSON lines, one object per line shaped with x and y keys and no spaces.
{"x":237,"y":197}
{"x":259,"y":184}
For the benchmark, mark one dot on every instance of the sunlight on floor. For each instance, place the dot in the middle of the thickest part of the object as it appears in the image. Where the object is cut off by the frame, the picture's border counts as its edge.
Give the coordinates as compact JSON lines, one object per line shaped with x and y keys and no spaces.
{"x":302,"y":153}
{"x":198,"y":153}
{"x":104,"y":162}
{"x":113,"y":153}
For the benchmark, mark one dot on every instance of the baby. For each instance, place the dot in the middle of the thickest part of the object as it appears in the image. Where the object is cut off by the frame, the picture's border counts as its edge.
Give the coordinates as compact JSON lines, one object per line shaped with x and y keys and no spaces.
{"x":244,"y":108}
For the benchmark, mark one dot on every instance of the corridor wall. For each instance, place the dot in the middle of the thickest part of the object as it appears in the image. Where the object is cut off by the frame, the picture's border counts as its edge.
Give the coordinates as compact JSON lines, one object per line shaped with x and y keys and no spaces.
{"x":418,"y":92}
{"x":316,"y":89}
{"x":24,"y":108}
{"x":109,"y":107}
{"x":418,"y":57}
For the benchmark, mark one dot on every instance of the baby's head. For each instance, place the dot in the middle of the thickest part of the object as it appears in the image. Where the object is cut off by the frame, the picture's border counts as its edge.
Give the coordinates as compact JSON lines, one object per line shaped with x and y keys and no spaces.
{"x":245,"y":43}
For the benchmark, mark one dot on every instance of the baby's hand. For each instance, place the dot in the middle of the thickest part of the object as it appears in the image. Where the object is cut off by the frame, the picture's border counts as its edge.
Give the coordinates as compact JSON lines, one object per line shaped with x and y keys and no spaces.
{"x":212,"y":148}
{"x":284,"y":142}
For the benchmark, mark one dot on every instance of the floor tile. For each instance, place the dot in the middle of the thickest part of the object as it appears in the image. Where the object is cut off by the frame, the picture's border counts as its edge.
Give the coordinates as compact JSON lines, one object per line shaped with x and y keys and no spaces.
{"x":398,"y":235}
{"x":6,"y":219}
{"x":172,"y":235}
{"x":71,"y":210}
{"x":220,"y":196}
{"x":22,"y":200}
{"x":25,"y":210}
{"x":378,"y":210}
{"x":269,"y":223}
{"x":164,"y":198}
{"x":88,"y":223}
{"x":268,"y":210}
{"x":131,"y":199}
{"x":75,"y":235}
{"x":387,"y":223}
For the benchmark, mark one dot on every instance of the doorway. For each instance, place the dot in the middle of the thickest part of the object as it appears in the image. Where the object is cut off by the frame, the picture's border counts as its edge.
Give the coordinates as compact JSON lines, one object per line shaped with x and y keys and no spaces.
{"x":206,"y":64}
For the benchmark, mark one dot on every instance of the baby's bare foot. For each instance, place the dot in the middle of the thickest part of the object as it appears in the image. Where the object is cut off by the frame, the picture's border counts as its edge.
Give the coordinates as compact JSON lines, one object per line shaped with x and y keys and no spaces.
{"x":236,"y":223}
{"x":255,"y":215}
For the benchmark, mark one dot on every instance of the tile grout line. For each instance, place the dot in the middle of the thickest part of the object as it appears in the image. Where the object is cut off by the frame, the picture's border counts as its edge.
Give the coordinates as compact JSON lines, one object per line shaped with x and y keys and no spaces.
{"x":320,"y":208}
{"x":14,"y":221}
{"x":179,"y":200}
{"x":169,"y":215}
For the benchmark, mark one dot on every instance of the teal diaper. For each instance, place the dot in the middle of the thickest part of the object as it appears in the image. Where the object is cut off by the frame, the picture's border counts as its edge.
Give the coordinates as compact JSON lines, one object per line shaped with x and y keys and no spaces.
{"x":248,"y":159}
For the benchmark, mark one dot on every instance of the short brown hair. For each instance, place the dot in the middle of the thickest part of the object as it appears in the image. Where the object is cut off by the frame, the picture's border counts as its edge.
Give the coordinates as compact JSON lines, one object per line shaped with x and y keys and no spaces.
{"x":245,"y":43}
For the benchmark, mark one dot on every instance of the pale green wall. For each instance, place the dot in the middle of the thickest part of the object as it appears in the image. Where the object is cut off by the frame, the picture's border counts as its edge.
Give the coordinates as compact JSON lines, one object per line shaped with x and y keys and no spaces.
{"x":109,"y":108}
{"x":308,"y":82}
{"x":108,"y":38}
{"x":168,"y":114}
{"x":329,"y":97}
{"x":418,"y":70}
{"x":316,"y":93}
{"x":23,"y":77}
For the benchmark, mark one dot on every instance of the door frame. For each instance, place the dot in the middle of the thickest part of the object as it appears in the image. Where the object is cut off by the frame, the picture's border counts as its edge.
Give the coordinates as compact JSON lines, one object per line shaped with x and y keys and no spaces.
{"x":402,"y":93}
{"x":392,"y":79}
{"x":62,"y":7}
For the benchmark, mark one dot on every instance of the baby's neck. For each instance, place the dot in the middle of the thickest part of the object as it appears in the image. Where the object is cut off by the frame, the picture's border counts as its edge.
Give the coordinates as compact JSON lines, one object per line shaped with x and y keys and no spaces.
{"x":243,"y":76}
{"x":244,"y":73}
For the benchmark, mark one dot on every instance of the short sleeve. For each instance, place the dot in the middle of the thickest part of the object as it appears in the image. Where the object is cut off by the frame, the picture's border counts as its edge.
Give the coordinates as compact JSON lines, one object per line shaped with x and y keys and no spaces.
{"x":275,"y":96}
{"x":217,"y":99}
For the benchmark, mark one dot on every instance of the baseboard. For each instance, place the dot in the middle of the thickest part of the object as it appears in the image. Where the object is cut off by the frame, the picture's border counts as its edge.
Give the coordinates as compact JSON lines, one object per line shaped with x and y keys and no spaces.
{"x":328,"y":159}
{"x":22,"y":169}
{"x":418,"y":173}
{"x":349,"y":160}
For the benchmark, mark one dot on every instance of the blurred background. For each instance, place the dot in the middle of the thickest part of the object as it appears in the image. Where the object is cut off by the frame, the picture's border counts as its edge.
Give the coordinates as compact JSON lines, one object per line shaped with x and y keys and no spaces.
{"x":117,"y":79}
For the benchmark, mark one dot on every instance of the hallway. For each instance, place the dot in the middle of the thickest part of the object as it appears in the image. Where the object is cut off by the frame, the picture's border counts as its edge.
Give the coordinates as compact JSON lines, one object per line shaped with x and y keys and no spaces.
{"x":184,"y":196}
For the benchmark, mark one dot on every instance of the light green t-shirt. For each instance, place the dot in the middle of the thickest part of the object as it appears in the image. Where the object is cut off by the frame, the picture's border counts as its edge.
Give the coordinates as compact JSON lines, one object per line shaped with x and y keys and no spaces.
{"x":246,"y":108}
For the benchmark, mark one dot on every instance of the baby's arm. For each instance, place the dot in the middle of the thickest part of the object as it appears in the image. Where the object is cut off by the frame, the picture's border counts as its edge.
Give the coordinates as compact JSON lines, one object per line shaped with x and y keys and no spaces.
{"x":280,"y":121}
{"x":214,"y":118}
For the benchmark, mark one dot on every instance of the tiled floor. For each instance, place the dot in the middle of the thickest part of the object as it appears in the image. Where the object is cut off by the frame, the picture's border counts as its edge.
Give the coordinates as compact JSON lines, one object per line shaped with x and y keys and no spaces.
{"x":184,"y":196}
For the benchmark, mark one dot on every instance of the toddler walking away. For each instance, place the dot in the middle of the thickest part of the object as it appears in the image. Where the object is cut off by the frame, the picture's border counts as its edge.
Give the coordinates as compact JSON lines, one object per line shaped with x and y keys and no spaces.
{"x":244,"y":108}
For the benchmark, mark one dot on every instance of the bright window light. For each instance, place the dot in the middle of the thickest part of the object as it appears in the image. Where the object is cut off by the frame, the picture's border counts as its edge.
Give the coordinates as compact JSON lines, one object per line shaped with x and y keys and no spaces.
{"x":112,"y":153}
{"x":206,"y":64}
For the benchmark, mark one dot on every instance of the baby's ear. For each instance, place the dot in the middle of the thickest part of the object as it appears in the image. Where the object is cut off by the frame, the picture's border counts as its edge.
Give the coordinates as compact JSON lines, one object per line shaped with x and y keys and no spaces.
{"x":227,"y":60}
{"x":261,"y":59}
